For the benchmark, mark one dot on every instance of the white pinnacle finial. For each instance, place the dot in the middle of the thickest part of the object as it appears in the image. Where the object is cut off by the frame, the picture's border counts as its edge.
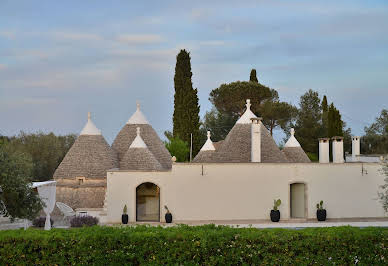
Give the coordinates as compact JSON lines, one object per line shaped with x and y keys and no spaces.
{"x":137,"y":105}
{"x":208,"y":146}
{"x":248,"y":105}
{"x":208,"y":134}
{"x":138,"y":141}
{"x":137,"y":117}
{"x":248,"y":114}
{"x":292,"y":141}
{"x":90,"y":128}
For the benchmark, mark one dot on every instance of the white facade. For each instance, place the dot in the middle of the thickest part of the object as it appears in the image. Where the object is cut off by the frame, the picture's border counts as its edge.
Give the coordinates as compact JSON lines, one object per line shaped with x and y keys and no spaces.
{"x":338,"y":149}
{"x":245,"y":191}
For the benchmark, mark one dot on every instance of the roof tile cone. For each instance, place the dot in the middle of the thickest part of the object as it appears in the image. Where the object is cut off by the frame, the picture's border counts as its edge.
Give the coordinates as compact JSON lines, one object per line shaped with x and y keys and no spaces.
{"x":293,"y":150}
{"x":128,"y":133}
{"x":237,"y":145}
{"x":90,"y":156}
{"x":139,"y":157}
{"x":206,"y":152}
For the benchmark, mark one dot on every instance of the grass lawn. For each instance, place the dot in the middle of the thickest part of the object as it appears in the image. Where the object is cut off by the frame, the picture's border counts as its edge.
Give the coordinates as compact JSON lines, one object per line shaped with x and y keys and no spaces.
{"x":207,"y":244}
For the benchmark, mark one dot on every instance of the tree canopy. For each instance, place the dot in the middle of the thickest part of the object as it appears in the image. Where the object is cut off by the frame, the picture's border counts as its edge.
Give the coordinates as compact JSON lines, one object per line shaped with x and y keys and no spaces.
{"x":46,"y":151}
{"x":253,"y":76}
{"x":375,"y":140}
{"x":17,"y":198}
{"x":178,"y":148}
{"x":218,"y":123}
{"x":186,"y":107}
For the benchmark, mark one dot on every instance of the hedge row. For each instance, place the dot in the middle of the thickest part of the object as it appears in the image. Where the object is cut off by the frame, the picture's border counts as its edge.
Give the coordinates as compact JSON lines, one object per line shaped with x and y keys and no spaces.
{"x":209,"y":245}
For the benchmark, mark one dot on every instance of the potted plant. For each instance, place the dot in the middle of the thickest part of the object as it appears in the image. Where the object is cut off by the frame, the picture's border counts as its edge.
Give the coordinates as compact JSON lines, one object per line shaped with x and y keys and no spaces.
{"x":124,"y":216}
{"x":168,"y":215}
{"x":321,"y":212}
{"x":275,"y":213}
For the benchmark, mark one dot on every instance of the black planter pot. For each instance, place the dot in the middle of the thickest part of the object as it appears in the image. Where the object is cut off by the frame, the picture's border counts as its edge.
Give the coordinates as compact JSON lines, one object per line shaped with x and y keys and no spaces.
{"x":275,"y":215}
{"x":321,"y":215}
{"x":168,"y":217}
{"x":124,"y":218}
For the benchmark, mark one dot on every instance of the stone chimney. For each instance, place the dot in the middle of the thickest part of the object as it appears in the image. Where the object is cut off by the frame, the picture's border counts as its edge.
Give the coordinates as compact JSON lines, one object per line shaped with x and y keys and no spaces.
{"x":355,"y":148}
{"x":255,"y":140}
{"x":338,"y":149}
{"x":324,"y":150}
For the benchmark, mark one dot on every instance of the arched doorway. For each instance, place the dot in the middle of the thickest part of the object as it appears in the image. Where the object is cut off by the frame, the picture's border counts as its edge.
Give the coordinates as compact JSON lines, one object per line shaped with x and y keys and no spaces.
{"x":298,"y":200}
{"x":148,"y":202}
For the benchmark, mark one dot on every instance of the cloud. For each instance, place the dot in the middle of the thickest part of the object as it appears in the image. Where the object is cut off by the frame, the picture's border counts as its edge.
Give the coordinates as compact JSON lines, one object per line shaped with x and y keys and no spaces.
{"x":76,"y":36}
{"x":212,"y":43}
{"x":7,"y":35}
{"x":134,"y":39}
{"x":2,"y":66}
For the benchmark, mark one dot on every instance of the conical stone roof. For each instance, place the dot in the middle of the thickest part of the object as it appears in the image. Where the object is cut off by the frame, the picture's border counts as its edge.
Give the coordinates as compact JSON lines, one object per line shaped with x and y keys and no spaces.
{"x":139,"y":157}
{"x":90,"y":156}
{"x":237,"y":145}
{"x":293,"y":150}
{"x":128,"y":133}
{"x":206,"y":152}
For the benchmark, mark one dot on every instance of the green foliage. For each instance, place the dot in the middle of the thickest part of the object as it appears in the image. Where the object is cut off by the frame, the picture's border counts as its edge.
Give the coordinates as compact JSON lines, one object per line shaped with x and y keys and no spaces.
{"x":375,"y":140}
{"x":17,"y":199}
{"x":186,"y":107}
{"x":46,"y":150}
{"x":312,"y":156}
{"x":253,"y":76}
{"x":276,"y":204}
{"x":167,"y":210}
{"x":335,"y":124}
{"x":320,"y":205}
{"x":383,"y":194}
{"x":325,"y":117}
{"x":197,"y":245}
{"x":178,"y":148}
{"x":308,"y":123}
{"x":277,"y":114}
{"x":231,"y":98}
{"x":218,"y":123}
{"x":125,"y":209}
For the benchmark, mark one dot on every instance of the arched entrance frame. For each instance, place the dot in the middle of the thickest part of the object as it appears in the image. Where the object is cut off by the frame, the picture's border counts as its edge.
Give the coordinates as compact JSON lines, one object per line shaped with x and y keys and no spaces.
{"x":305,"y":199}
{"x":134,"y":199}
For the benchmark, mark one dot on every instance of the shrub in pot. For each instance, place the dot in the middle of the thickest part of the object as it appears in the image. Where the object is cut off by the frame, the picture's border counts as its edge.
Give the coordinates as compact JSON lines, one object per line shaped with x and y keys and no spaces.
{"x":124,"y":216}
{"x":40,"y":221}
{"x":168,"y":215}
{"x":80,"y":221}
{"x":275,"y":213}
{"x":321,"y":212}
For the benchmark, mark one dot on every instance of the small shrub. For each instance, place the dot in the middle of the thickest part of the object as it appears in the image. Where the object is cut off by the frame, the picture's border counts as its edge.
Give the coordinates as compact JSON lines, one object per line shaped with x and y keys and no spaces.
{"x":80,"y":221}
{"x":40,"y":221}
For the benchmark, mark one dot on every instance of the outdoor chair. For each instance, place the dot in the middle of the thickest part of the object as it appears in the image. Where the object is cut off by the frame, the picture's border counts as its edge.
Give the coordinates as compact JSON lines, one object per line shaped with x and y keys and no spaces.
{"x":67,"y":211}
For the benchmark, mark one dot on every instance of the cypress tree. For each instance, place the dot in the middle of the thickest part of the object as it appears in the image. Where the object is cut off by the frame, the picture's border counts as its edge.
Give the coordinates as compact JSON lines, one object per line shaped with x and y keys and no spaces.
{"x":325,"y":110}
{"x":186,"y":107}
{"x":253,"y":76}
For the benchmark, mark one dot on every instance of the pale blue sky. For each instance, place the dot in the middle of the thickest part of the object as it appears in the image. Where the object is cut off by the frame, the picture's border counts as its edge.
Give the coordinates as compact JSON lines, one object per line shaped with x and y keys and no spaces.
{"x":61,"y":59}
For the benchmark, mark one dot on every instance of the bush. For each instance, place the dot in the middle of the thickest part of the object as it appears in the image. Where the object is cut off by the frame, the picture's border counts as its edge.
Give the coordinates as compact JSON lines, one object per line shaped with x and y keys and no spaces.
{"x":40,"y":221}
{"x":80,"y":221}
{"x":204,"y":245}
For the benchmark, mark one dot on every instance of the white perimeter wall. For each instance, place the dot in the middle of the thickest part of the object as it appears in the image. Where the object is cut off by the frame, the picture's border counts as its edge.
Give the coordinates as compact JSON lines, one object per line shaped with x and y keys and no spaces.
{"x":245,"y":191}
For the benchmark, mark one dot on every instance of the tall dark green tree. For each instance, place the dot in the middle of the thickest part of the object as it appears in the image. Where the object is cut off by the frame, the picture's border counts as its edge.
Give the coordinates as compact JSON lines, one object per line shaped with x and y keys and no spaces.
{"x":253,"y":76}
{"x":325,"y":111}
{"x":335,"y":123}
{"x":186,"y":107}
{"x":308,"y":123}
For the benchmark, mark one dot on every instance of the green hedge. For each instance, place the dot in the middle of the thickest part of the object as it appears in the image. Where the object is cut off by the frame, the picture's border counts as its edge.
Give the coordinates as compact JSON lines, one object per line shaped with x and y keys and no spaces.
{"x":194,"y":245}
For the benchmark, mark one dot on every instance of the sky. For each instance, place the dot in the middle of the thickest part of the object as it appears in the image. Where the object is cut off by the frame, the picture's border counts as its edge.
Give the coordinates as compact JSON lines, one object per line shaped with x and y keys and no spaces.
{"x":61,"y":59}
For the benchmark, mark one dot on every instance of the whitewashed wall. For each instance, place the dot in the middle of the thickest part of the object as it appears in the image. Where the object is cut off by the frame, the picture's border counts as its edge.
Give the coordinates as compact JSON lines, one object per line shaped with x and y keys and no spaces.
{"x":245,"y":191}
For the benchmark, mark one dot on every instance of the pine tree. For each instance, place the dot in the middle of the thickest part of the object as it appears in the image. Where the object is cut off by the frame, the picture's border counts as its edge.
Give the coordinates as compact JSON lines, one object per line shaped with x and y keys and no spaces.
{"x":186,"y":107}
{"x":253,"y":76}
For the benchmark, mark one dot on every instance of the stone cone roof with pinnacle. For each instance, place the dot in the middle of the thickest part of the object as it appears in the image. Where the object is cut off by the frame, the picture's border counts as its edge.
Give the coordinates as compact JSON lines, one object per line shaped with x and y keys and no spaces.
{"x":206,"y":152}
{"x":293,"y":150}
{"x":90,"y":156}
{"x":237,"y":145}
{"x":128,"y":134}
{"x":139,"y":157}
